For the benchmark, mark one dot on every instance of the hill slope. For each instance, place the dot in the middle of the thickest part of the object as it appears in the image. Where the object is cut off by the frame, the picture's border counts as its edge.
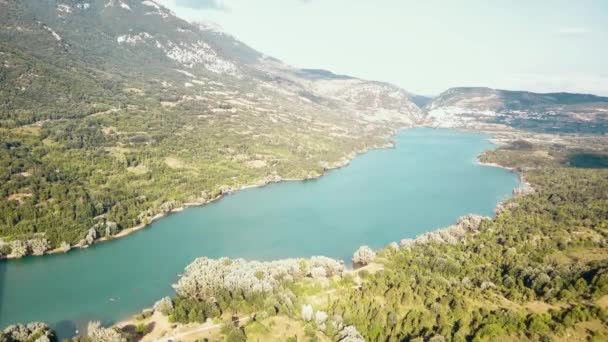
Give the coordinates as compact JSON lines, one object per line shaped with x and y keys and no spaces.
{"x":521,"y":109}
{"x":113,"y":111}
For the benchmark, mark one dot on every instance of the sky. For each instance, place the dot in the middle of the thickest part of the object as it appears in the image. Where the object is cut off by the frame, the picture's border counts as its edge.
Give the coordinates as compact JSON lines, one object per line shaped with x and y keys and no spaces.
{"x":427,"y":46}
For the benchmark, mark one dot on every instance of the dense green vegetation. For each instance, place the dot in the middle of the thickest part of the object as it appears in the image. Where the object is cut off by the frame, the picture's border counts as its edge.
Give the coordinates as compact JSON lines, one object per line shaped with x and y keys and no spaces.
{"x":535,"y":272}
{"x":97,"y":134}
{"x":538,"y":271}
{"x":94,"y":133}
{"x":59,"y":177}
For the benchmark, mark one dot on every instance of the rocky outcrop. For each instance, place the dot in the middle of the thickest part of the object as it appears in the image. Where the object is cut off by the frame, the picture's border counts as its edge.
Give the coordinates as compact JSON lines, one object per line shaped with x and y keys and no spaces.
{"x":35,"y":332}
{"x":272,"y":178}
{"x":105,"y":228}
{"x":91,"y":236}
{"x":111,"y":228}
{"x":226,"y":189}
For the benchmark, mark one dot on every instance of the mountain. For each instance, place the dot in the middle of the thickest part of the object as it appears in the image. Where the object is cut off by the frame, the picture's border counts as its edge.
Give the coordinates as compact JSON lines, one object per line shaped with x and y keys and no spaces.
{"x":120,"y":41}
{"x":562,"y":112}
{"x":376,"y":100}
{"x":113,"y":111}
{"x":421,"y":101}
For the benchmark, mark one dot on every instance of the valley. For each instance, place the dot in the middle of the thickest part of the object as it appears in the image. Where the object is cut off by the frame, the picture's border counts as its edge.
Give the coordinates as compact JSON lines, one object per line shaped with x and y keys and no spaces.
{"x":118,"y":115}
{"x":180,"y":113}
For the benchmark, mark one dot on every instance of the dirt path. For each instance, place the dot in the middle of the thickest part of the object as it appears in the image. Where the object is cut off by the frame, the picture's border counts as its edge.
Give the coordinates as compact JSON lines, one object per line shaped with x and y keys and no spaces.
{"x":177,"y":337}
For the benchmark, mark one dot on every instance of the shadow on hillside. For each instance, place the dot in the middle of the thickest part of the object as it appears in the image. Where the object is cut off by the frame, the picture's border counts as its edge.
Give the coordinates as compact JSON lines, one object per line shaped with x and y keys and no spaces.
{"x":134,"y":335}
{"x":588,"y":160}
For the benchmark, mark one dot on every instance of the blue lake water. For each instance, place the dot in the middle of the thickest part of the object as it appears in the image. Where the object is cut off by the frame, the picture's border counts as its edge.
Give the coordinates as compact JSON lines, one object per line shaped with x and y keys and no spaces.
{"x":426,"y":182}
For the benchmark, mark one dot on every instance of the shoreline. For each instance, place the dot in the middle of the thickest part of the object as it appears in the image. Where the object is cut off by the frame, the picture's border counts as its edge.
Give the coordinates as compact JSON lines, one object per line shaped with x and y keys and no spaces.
{"x":460,"y":229}
{"x":524,"y":186}
{"x":469,"y":223}
{"x":268,"y":180}
{"x":345,"y":161}
{"x":464,"y":226}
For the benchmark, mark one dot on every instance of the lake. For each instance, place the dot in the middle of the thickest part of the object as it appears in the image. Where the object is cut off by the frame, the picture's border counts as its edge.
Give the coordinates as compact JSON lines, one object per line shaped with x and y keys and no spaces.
{"x":426,"y":182}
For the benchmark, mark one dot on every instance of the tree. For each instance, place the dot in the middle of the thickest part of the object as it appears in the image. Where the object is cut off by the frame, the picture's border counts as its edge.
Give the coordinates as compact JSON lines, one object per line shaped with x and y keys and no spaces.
{"x":363,"y":256}
{"x":236,"y":335}
{"x":97,"y":333}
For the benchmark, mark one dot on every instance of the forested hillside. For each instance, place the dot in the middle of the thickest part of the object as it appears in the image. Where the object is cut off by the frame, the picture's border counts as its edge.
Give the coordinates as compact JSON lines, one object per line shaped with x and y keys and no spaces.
{"x":539,"y":271}
{"x":536,"y":272}
{"x":115,"y":111}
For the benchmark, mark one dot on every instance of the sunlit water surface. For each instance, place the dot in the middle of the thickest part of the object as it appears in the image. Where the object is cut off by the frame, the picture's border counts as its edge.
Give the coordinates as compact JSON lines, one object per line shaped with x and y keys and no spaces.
{"x":426,"y":182}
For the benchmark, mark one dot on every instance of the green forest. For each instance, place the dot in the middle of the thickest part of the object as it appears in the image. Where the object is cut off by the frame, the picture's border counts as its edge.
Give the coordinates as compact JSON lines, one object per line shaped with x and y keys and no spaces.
{"x":63,"y":178}
{"x":538,"y":271}
{"x":98,"y":134}
{"x":102,"y":129}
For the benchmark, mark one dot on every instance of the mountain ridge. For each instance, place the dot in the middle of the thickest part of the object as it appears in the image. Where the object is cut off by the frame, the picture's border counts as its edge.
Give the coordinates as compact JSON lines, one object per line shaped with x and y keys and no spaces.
{"x":565,"y":112}
{"x":116,"y":111}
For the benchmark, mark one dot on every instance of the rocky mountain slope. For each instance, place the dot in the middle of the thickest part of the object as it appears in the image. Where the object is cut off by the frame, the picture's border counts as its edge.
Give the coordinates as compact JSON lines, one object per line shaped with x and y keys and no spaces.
{"x":375,"y":100}
{"x":112,"y":41}
{"x":563,"y":112}
{"x":113,"y":111}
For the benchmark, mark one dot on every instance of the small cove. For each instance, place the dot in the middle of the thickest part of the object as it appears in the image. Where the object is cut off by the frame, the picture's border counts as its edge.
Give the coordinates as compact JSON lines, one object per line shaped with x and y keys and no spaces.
{"x":425,"y":183}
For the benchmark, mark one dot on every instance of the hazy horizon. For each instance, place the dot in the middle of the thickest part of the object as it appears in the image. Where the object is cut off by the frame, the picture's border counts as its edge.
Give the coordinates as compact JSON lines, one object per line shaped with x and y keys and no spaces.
{"x":428,"y":47}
